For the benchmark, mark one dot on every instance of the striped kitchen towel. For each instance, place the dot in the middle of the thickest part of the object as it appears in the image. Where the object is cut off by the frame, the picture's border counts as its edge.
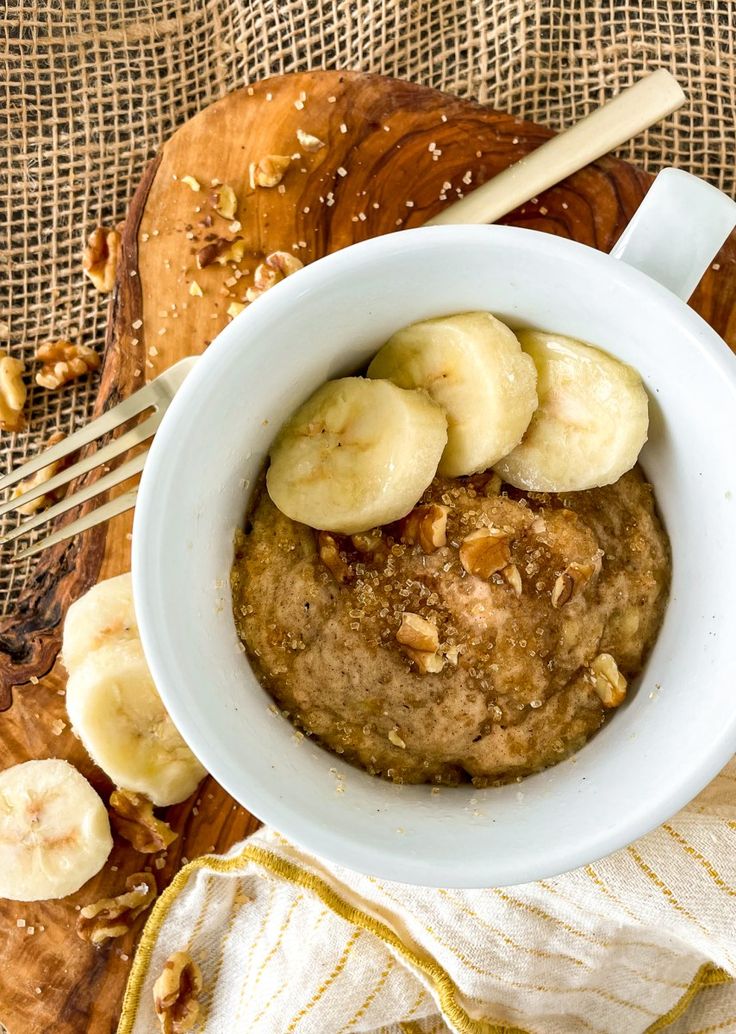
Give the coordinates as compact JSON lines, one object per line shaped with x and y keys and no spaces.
{"x":642,"y":941}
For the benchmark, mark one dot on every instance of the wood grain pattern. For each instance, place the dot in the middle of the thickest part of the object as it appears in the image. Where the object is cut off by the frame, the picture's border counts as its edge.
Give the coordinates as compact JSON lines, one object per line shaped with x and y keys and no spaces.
{"x":383,"y":133}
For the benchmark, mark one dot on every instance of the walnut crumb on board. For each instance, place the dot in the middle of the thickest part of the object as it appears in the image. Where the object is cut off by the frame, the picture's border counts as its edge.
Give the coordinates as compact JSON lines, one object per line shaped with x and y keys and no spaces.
{"x":269,"y":171}
{"x":114,"y":917}
{"x":132,"y":817}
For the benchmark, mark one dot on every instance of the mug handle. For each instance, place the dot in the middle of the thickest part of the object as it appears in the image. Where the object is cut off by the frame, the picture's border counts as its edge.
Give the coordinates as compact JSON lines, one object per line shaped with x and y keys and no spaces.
{"x":677,"y":231}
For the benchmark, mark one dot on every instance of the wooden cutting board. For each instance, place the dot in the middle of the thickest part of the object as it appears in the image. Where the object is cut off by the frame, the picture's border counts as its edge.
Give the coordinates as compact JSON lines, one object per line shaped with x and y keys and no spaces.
{"x":395,"y":153}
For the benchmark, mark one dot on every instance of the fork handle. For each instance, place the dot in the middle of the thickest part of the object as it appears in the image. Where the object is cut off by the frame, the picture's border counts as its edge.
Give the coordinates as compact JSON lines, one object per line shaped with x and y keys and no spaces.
{"x":630,"y":113}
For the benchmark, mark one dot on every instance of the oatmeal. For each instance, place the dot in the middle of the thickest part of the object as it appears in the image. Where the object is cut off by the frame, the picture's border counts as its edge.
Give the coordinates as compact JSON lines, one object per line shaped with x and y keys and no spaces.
{"x":486,"y":636}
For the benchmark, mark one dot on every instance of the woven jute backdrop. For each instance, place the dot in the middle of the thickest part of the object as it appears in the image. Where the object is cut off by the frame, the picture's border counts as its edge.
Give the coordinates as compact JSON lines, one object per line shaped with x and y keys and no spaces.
{"x":92,"y":88}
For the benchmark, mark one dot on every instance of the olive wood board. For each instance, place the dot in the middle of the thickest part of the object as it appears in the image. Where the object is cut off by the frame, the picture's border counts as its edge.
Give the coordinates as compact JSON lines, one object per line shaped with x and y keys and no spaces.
{"x":395,"y":154}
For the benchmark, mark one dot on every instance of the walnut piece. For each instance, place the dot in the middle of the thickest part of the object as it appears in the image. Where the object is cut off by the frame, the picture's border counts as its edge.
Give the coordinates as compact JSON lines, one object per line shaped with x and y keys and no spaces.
{"x":309,"y":142}
{"x":101,"y":258}
{"x":512,"y":576}
{"x":426,"y":663}
{"x":486,"y":551}
{"x":265,"y":277}
{"x":425,"y":526}
{"x":284,"y":262}
{"x":224,"y":201}
{"x":176,"y":993}
{"x":418,"y":633}
{"x":192,"y":182}
{"x":420,"y":641}
{"x":132,"y":817}
{"x":331,"y":557}
{"x":12,"y":392}
{"x":235,"y":308}
{"x":276,"y":267}
{"x":573,"y":580}
{"x":369,"y":541}
{"x":114,"y":917}
{"x":393,"y":736}
{"x":222,"y":250}
{"x":39,"y":478}
{"x":62,"y":361}
{"x":608,"y":682}
{"x":269,"y":171}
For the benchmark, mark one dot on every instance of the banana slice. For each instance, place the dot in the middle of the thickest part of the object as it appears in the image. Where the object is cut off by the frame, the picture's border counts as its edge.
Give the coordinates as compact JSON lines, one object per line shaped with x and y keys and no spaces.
{"x":54,"y":831}
{"x":591,"y":423}
{"x":357,"y":454}
{"x":104,"y":614}
{"x":119,"y":717}
{"x":473,"y":366}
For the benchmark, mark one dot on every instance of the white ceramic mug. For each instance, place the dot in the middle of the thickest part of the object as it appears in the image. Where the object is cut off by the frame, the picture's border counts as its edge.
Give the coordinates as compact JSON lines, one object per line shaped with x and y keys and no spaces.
{"x":678,"y":727}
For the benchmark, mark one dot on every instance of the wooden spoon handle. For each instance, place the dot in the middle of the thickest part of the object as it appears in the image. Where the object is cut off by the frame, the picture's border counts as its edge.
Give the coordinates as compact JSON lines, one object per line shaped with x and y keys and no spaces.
{"x":627,"y":115}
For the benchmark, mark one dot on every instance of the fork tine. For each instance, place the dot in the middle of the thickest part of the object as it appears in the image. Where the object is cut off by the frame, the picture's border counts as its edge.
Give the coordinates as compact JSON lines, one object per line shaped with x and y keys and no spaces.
{"x":140,"y":433}
{"x":156,"y":394}
{"x":115,"y":477}
{"x":119,"y":414}
{"x":99,"y":516}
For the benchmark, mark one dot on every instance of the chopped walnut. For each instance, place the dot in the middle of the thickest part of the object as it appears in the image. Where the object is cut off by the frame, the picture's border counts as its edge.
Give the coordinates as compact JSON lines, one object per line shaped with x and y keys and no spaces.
{"x":512,"y":576}
{"x":562,"y":590}
{"x":195,"y":290}
{"x":132,"y":817}
{"x":426,"y":663}
{"x":114,"y":917}
{"x":486,"y":551}
{"x":418,"y":633}
{"x":284,"y":263}
{"x":39,"y":478}
{"x":101,"y":258}
{"x":176,"y":993}
{"x":224,"y":201}
{"x":235,"y":308}
{"x":309,"y":142}
{"x":425,"y":526}
{"x":452,"y":655}
{"x":192,"y":182}
{"x":265,"y":277}
{"x":393,"y":736}
{"x":329,"y":554}
{"x":573,"y":580}
{"x":12,"y":393}
{"x":420,"y":641}
{"x":538,"y":526}
{"x":221,"y":251}
{"x":369,"y":541}
{"x":276,"y":267}
{"x":62,"y":361}
{"x":608,"y":682}
{"x":269,"y":171}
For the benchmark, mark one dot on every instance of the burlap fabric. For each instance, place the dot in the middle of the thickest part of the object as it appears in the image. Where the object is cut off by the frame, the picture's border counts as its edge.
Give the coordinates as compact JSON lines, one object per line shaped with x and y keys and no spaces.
{"x":91,"y":89}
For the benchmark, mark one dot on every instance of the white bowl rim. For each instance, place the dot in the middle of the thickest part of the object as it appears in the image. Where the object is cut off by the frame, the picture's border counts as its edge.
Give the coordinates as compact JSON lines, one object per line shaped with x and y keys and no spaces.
{"x":260,"y":797}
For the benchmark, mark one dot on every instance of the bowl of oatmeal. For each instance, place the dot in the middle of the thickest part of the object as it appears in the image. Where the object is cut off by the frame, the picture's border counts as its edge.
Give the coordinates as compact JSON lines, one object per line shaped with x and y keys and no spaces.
{"x":652,"y":577}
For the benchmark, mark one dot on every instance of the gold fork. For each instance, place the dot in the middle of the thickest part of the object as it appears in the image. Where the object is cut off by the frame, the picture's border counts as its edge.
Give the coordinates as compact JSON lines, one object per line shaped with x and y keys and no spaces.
{"x":630,"y":113}
{"x":157,"y":397}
